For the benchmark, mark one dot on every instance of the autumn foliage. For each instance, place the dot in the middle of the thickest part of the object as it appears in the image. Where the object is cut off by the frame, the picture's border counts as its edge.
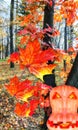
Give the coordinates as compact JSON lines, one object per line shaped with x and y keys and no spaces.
{"x":32,"y":95}
{"x":67,"y":10}
{"x":31,"y":56}
{"x":35,"y":60}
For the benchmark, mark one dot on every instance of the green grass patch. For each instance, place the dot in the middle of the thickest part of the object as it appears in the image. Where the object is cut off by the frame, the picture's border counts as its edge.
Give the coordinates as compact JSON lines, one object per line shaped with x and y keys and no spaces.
{"x":1,"y":60}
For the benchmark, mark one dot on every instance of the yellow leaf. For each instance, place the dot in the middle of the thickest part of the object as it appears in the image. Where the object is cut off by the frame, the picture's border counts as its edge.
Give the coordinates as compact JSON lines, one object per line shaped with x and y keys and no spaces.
{"x":44,"y":70}
{"x":26,"y":96}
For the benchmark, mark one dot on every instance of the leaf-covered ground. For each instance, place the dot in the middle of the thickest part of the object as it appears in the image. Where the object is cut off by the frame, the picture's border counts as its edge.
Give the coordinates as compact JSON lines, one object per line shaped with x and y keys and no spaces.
{"x":8,"y":120}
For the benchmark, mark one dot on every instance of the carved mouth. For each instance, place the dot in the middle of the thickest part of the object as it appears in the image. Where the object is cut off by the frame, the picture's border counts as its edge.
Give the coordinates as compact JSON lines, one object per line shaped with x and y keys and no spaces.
{"x":63,"y":125}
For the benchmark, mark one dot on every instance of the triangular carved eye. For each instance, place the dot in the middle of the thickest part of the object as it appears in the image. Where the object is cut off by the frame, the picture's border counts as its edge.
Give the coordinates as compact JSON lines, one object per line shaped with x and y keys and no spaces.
{"x":72,"y":96}
{"x":56,"y":96}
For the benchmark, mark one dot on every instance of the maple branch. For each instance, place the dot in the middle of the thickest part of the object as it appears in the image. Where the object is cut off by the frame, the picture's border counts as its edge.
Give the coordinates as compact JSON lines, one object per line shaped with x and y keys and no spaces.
{"x":23,"y":73}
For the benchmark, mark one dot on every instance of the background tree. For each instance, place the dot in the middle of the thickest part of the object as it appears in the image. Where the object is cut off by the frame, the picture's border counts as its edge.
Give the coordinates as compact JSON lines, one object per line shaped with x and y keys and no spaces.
{"x":31,"y":55}
{"x":48,"y":21}
{"x":11,"y":30}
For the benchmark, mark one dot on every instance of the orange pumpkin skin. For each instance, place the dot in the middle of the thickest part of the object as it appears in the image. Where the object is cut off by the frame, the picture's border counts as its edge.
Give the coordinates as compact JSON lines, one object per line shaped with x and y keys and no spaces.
{"x":64,"y":104}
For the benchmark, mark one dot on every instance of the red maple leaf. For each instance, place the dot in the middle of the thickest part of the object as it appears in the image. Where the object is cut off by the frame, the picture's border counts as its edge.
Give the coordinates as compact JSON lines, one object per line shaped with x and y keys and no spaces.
{"x":14,"y":57}
{"x":49,"y":2}
{"x":33,"y":105}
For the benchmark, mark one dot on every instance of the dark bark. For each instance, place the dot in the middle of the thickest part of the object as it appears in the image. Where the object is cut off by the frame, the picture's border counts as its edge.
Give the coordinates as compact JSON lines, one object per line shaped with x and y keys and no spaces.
{"x":16,"y":17}
{"x":70,"y":36}
{"x":65,"y":42}
{"x":7,"y":47}
{"x":11,"y":30}
{"x":65,"y":36}
{"x":2,"y":48}
{"x":48,"y":21}
{"x":65,"y":65}
{"x":72,"y":78}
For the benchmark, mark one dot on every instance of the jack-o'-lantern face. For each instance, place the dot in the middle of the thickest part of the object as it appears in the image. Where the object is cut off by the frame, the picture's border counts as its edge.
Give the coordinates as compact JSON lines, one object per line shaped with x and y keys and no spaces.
{"x":64,"y":103}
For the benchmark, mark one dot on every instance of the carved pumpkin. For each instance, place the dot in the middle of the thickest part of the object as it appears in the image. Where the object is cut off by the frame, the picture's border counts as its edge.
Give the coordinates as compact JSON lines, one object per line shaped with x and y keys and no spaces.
{"x":64,"y":103}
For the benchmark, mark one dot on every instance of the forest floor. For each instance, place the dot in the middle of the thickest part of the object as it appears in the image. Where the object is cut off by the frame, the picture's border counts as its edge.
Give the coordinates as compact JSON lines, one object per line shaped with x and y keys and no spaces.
{"x":8,"y":120}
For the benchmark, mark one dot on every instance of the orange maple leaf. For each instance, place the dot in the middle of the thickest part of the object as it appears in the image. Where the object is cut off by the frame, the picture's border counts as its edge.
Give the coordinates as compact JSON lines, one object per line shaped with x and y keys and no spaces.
{"x":12,"y":87}
{"x":19,"y":88}
{"x":24,"y":91}
{"x":25,"y":94}
{"x":33,"y":57}
{"x":24,"y":39}
{"x":22,"y":109}
{"x":26,"y":109}
{"x":39,"y":71}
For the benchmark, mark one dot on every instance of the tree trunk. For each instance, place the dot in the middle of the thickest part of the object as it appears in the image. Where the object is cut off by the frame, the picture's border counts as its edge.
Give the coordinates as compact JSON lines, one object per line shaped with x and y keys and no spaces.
{"x":65,"y":36}
{"x":70,"y":36}
{"x":16,"y":29}
{"x":7,"y":48}
{"x":73,"y":75}
{"x":48,"y":21}
{"x":11,"y":30}
{"x":65,"y":42}
{"x":2,"y":48}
